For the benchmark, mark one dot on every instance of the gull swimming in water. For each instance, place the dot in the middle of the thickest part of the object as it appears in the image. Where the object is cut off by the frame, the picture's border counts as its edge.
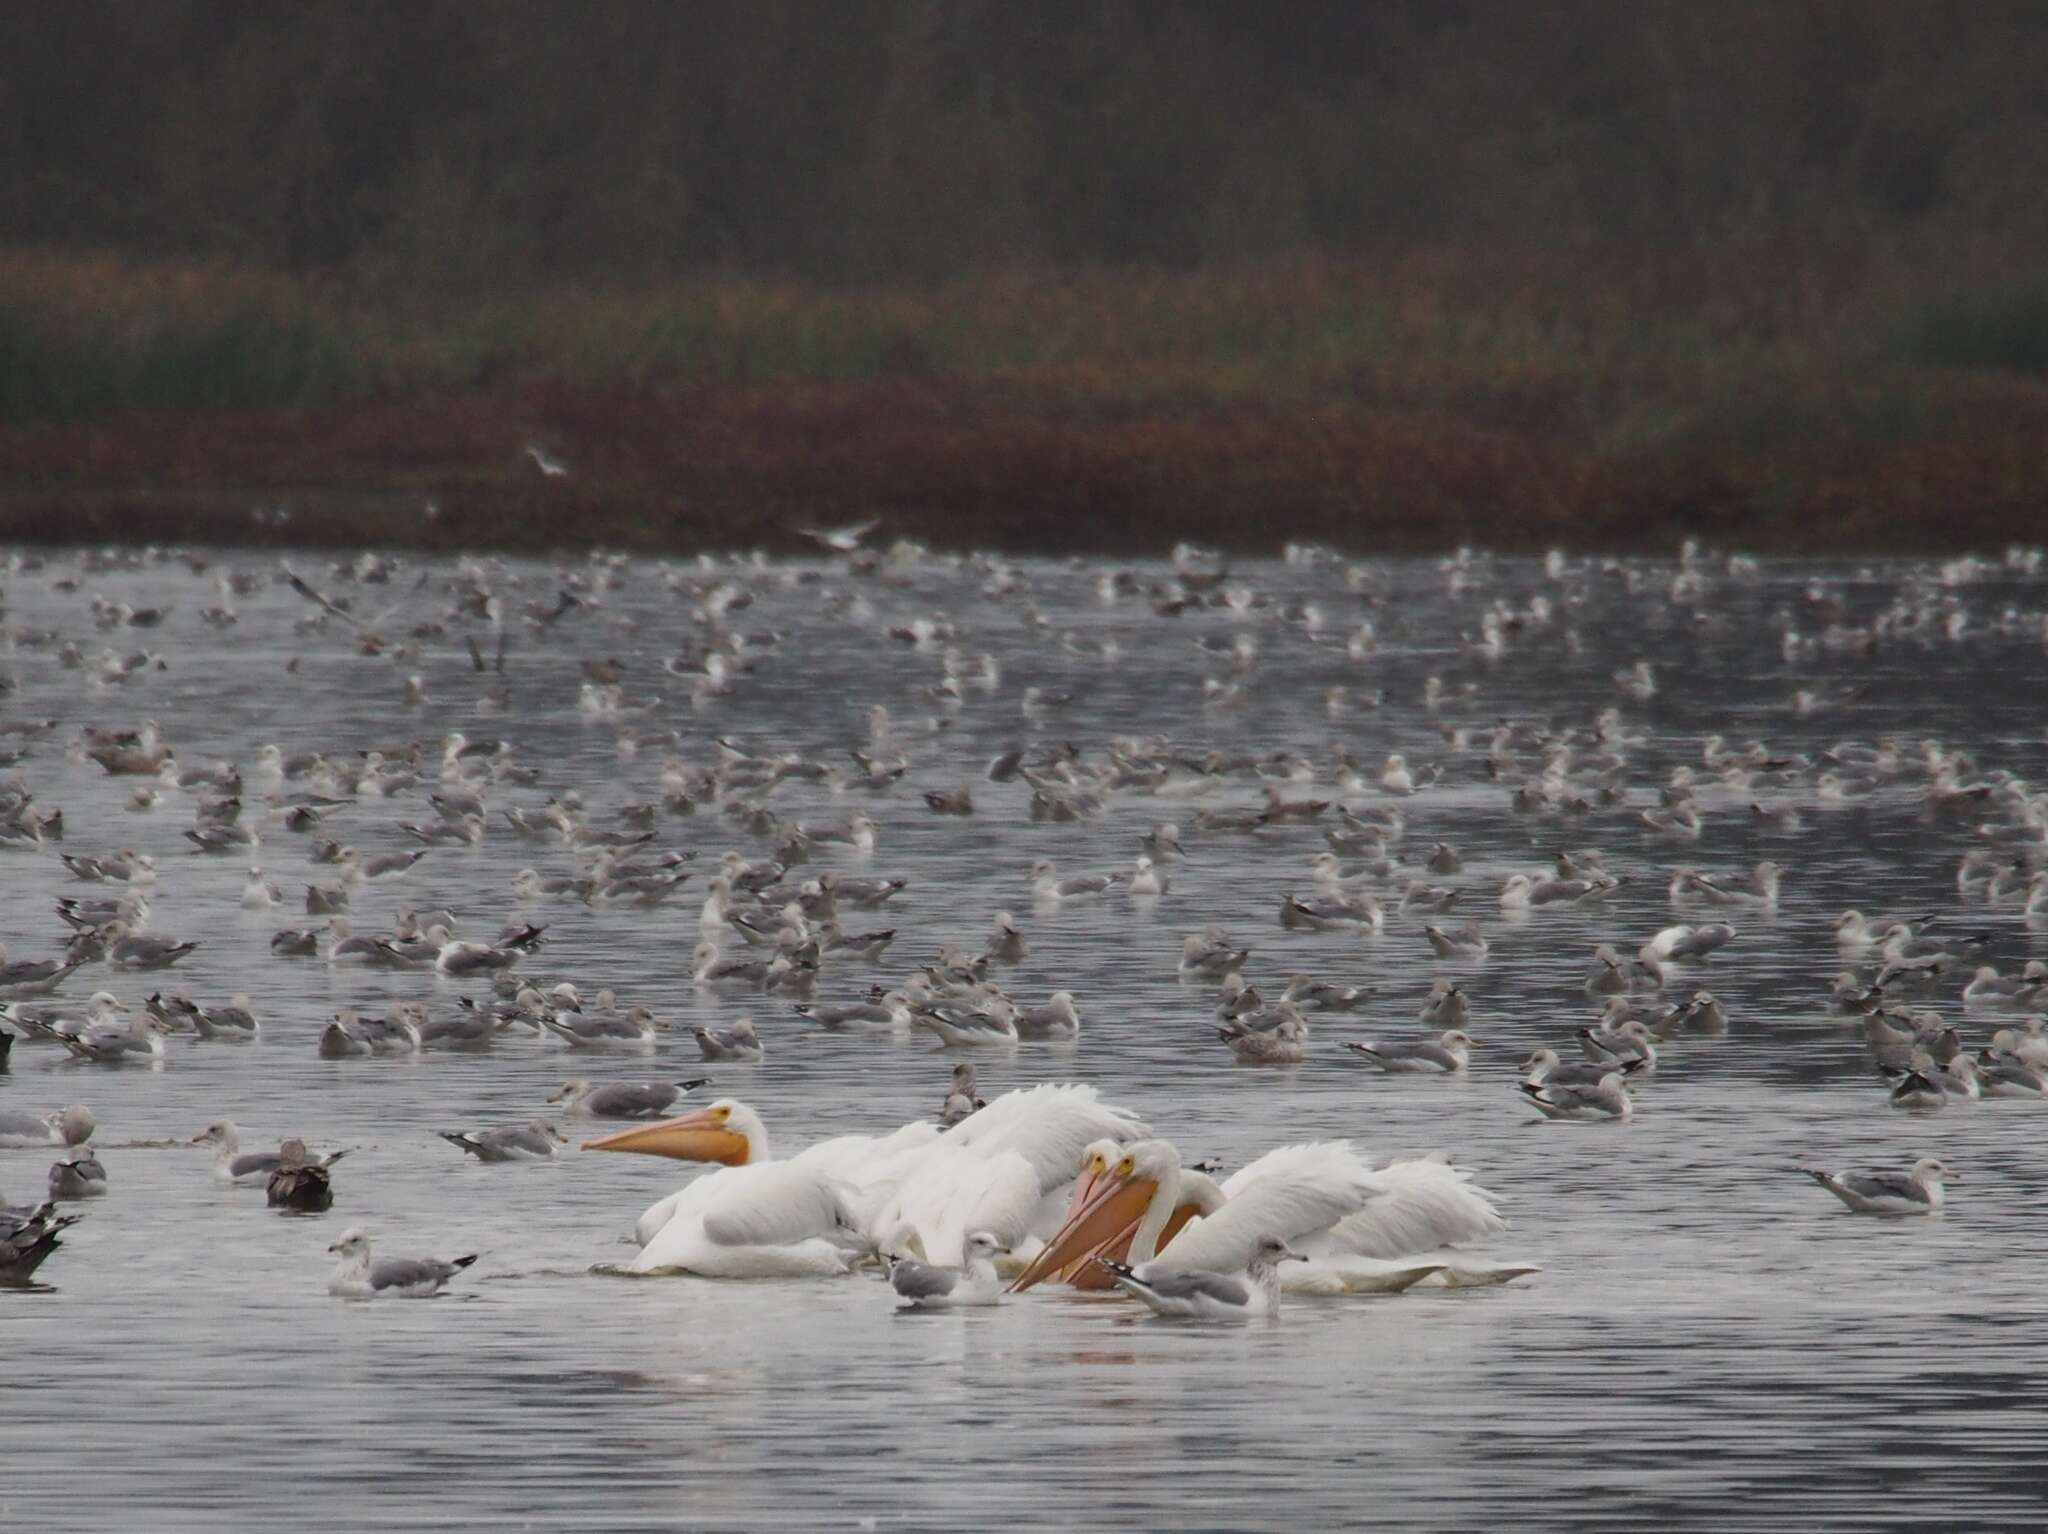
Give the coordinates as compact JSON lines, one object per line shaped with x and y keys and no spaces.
{"x":64,"y":1126}
{"x":142,"y":1039}
{"x":1543,"y":1067}
{"x":347,"y":1034}
{"x":232,"y":1164}
{"x":406,"y":1278}
{"x":1048,"y":886}
{"x":1282,"y":1042}
{"x":606,"y":1029}
{"x":1316,"y":995}
{"x":28,"y":1237}
{"x":1210,"y":954}
{"x":514,"y":1142}
{"x":739,"y":1042}
{"x":961,"y":1102}
{"x":1465,"y":942}
{"x":1445,"y":1054}
{"x":127,"y":950}
{"x":22,"y":978}
{"x":1056,"y":1020}
{"x":926,"y":1286}
{"x":259,"y":894}
{"x":1208,"y":1296}
{"x":622,"y":1099}
{"x":1607,"y":1100}
{"x":233,"y":1023}
{"x":79,"y":1175}
{"x":1681,"y":942}
{"x":1917,"y":1190}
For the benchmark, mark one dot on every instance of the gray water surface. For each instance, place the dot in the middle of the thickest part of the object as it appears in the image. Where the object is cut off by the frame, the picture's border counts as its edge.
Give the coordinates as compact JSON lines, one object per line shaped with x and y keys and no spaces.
{"x":1712,"y":1342}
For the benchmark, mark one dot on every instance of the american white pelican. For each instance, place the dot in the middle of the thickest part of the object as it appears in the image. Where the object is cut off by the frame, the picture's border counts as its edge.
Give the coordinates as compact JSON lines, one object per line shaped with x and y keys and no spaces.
{"x":756,"y":1217}
{"x":1207,"y":1296}
{"x":1358,"y":1230}
{"x":1004,"y":1170}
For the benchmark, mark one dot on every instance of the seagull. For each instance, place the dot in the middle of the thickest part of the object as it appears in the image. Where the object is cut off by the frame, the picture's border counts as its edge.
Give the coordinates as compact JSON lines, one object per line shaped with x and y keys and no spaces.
{"x":1606,"y":1100}
{"x":406,"y":1278}
{"x":550,"y":468}
{"x":1449,"y":1052}
{"x":961,"y":1102}
{"x":622,"y":1099}
{"x":840,"y":540}
{"x":27,"y":1237}
{"x":606,"y":1029}
{"x":233,"y":1023}
{"x":1210,"y":1296}
{"x":926,"y":1287}
{"x":232,"y":1164}
{"x":78,"y":1175}
{"x":1916,"y":1190}
{"x":66,"y":1126}
{"x":515,"y":1142}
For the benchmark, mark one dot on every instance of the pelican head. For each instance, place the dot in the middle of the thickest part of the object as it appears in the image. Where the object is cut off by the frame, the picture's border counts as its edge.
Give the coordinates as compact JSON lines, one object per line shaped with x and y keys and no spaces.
{"x":1117,"y":1190}
{"x":727,"y":1132}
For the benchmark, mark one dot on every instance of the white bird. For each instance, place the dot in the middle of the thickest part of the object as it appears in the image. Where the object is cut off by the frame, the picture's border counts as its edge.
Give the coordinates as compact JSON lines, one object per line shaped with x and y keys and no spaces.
{"x":1358,"y":1230}
{"x":756,"y":1217}
{"x":259,"y":894}
{"x":1916,"y":1190}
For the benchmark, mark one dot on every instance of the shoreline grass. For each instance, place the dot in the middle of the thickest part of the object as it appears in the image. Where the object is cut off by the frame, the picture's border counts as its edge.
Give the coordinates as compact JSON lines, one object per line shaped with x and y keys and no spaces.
{"x":1613,"y":397}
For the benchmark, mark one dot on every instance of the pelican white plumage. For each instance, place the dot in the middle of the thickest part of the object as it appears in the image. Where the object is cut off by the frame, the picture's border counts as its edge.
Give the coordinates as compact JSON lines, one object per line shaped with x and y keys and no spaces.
{"x":1007,"y":1170}
{"x":756,"y":1217}
{"x":1357,"y":1229}
{"x":916,"y":1191}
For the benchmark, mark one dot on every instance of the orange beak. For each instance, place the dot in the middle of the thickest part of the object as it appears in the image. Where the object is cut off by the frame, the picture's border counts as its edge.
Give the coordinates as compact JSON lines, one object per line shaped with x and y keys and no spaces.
{"x":699,"y":1136}
{"x":1105,"y":1212}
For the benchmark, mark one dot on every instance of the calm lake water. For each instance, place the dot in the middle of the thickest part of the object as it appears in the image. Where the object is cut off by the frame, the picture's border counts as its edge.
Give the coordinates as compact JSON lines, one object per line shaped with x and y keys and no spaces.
{"x":1713,"y":1342}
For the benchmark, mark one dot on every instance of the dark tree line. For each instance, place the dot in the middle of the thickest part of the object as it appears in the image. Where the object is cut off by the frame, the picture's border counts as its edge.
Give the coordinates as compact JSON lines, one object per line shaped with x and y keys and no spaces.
{"x":488,"y":141}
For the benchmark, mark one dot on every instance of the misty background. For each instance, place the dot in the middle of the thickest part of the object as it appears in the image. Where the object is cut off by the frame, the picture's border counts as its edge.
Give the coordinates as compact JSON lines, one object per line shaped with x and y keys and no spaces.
{"x":891,"y":140}
{"x":1048,"y":274}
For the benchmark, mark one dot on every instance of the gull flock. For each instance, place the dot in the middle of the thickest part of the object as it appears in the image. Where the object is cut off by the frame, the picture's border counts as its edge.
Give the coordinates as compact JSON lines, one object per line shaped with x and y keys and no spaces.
{"x":781,"y":912}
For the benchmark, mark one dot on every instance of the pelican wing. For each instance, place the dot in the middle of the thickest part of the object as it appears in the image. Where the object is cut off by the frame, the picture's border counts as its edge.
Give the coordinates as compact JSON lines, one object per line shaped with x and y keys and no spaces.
{"x":1419,"y":1206}
{"x":776,"y":1203}
{"x":1294,"y":1192}
{"x":871,"y":1169}
{"x":954,"y":1191}
{"x":1050,"y":1126}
